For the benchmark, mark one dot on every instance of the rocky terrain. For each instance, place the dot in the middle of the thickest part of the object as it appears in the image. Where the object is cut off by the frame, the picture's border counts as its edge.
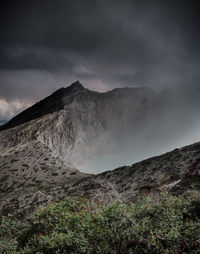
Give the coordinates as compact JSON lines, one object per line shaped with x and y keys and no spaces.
{"x":177,"y":171}
{"x":76,"y":123}
{"x":41,"y":147}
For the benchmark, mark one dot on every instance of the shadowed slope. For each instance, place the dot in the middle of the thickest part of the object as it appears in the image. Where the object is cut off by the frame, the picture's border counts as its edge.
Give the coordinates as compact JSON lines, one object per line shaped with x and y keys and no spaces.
{"x":48,"y":105}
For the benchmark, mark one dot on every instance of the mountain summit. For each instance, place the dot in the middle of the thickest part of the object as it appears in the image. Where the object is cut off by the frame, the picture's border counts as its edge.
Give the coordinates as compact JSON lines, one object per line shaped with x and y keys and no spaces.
{"x":50,"y":104}
{"x":76,"y":86}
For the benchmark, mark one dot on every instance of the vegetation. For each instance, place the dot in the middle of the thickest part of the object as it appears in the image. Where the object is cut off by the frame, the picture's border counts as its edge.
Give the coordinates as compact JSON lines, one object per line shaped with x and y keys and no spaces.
{"x":165,"y":224}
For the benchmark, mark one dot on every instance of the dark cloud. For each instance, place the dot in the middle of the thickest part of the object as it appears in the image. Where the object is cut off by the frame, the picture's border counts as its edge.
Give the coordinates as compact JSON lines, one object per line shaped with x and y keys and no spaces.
{"x":26,"y":58}
{"x":103,"y":43}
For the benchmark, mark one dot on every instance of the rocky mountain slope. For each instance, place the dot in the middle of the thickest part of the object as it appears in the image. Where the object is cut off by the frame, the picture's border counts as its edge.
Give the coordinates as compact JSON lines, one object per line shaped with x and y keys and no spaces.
{"x":176,"y":171}
{"x":76,"y":123}
{"x":41,"y":147}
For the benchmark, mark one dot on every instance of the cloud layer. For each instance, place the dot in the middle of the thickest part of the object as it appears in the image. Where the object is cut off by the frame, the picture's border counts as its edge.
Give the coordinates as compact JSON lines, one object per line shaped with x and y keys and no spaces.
{"x":8,"y":109}
{"x":105,"y":44}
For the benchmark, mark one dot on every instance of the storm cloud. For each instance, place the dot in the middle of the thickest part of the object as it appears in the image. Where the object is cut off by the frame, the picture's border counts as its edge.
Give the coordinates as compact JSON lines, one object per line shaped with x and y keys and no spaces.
{"x":104,"y":44}
{"x":45,"y":45}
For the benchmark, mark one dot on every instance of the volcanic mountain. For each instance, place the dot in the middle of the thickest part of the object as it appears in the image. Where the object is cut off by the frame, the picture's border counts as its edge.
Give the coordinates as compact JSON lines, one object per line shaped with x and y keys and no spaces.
{"x":76,"y":123}
{"x":41,"y":148}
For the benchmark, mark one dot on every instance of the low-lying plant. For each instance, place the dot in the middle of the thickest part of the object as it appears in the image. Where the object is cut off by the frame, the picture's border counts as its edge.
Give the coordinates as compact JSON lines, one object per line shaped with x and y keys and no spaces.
{"x":162,"y":224}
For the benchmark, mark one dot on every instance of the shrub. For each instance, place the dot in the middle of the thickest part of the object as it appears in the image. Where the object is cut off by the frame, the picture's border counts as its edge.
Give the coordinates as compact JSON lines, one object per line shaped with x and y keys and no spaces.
{"x":9,"y":228}
{"x":165,"y":224}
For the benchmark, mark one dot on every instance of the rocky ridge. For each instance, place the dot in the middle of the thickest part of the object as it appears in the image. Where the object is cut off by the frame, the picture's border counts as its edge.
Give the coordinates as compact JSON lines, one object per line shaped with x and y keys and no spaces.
{"x":40,"y":148}
{"x":76,"y":123}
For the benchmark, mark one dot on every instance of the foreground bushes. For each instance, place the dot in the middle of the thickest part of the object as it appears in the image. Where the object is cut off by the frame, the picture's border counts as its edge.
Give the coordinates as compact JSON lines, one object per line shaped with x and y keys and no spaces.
{"x":166,"y":224}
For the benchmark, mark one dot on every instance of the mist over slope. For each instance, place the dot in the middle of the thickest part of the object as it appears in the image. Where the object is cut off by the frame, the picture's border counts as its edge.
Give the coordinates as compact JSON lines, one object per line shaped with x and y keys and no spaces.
{"x":78,"y":124}
{"x":76,"y":128}
{"x":96,"y":131}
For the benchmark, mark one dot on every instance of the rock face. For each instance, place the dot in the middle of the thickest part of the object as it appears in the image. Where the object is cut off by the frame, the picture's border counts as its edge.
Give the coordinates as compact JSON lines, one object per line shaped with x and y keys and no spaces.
{"x":76,"y":123}
{"x":48,"y":105}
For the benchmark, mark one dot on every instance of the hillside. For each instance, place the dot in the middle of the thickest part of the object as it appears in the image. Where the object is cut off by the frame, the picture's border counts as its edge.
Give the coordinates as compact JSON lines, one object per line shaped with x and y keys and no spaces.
{"x":158,"y":224}
{"x":41,"y":148}
{"x":177,"y":171}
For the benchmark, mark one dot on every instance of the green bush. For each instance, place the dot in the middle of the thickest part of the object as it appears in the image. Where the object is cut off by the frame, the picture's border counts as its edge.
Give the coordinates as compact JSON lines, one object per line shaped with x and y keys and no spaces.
{"x":165,"y":224}
{"x":9,"y":228}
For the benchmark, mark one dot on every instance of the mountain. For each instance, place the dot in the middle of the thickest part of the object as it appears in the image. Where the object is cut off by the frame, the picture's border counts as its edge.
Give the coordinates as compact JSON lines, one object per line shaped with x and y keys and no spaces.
{"x":176,"y":171}
{"x":41,"y":148}
{"x":76,"y":123}
{"x":50,"y":104}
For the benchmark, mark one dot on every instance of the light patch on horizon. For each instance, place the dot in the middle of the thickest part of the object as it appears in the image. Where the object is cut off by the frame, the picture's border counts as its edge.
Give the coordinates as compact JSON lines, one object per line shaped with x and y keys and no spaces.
{"x":97,"y":85}
{"x":9,"y":109}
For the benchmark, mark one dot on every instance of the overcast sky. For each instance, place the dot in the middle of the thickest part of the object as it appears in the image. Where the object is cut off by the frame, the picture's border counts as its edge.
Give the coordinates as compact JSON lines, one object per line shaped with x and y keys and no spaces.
{"x":105,"y":44}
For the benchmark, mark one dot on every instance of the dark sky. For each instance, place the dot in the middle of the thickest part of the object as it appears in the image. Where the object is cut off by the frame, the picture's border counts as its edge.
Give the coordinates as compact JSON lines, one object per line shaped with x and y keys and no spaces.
{"x":105,"y":44}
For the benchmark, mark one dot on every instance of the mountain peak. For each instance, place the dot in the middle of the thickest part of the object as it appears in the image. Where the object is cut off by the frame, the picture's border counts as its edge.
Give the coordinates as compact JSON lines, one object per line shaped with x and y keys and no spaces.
{"x":64,"y":96}
{"x":77,"y":85}
{"x":50,"y":104}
